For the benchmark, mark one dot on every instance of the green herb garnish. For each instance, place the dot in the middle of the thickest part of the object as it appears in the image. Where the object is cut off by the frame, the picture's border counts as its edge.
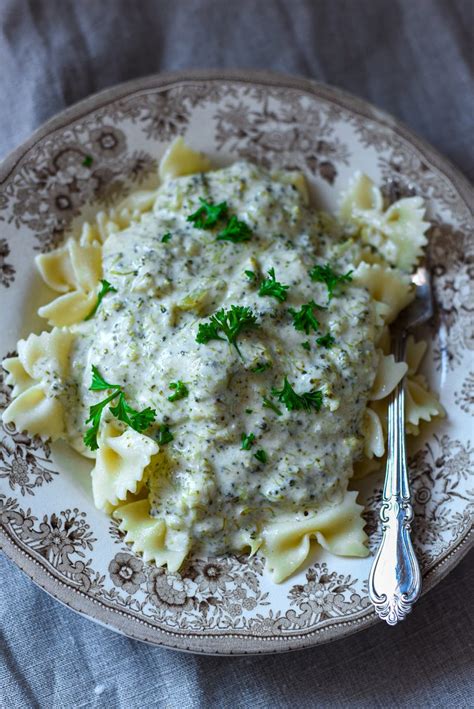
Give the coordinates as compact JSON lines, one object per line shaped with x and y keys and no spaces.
{"x":180,"y":390}
{"x":166,"y":238}
{"x":230,"y":323}
{"x":138,"y":420}
{"x":272,"y":287}
{"x":98,"y":382}
{"x":268,"y":404}
{"x":164,"y":435}
{"x":304,"y":318}
{"x":106,"y":287}
{"x":326,"y":274}
{"x":261,"y":456}
{"x":88,"y":160}
{"x":247,"y":441}
{"x":251,"y":275}
{"x":261,"y":367}
{"x":326,"y":341}
{"x":306,"y":345}
{"x":235,"y":231}
{"x":249,"y":411}
{"x":297,"y":402}
{"x":208,"y":214}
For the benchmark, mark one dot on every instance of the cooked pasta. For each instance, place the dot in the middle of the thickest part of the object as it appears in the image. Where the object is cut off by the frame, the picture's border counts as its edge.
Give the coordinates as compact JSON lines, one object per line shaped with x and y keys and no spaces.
{"x":221,"y":351}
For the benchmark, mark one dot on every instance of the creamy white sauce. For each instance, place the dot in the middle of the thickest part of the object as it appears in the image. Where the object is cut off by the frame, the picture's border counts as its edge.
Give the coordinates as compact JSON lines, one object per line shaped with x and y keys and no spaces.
{"x":144,"y":336}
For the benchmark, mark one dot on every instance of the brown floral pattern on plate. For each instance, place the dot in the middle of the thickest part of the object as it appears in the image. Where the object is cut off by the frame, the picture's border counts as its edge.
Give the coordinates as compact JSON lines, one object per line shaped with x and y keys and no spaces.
{"x":97,"y":153}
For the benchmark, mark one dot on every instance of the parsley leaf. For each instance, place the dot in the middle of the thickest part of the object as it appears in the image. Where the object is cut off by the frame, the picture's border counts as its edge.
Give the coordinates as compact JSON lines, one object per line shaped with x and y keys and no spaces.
{"x":268,"y":404}
{"x":247,"y":441}
{"x":261,"y":456}
{"x":208,"y":214}
{"x":166,"y":237}
{"x":306,"y":345}
{"x":272,"y":287}
{"x":95,"y":413}
{"x":305,"y":319}
{"x":88,"y":160}
{"x":208,"y":331}
{"x":326,"y":274}
{"x":164,"y":435}
{"x":235,"y":231}
{"x":297,"y":402}
{"x":99,"y":383}
{"x":326,"y":341}
{"x":138,"y":420}
{"x":180,"y":390}
{"x":106,"y":287}
{"x":251,"y":275}
{"x":230,"y":322}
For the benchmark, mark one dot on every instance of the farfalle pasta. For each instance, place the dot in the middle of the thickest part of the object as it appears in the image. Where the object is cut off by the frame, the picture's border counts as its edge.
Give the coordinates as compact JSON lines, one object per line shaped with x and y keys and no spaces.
{"x":396,"y":232}
{"x":220,"y":351}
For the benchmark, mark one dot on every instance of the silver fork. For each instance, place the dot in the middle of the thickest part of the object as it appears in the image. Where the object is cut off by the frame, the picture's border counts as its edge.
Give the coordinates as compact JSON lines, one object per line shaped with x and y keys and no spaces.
{"x":395,"y":579}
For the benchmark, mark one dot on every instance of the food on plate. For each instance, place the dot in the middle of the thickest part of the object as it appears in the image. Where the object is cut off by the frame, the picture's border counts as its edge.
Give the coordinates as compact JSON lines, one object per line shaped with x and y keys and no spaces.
{"x":220,"y":349}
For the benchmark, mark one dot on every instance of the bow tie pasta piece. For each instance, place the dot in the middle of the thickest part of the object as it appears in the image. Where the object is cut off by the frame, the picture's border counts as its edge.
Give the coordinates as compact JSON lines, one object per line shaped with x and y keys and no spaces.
{"x":414,"y":353}
{"x":69,"y":308}
{"x":73,"y":270}
{"x":122,"y":458}
{"x":151,"y":537}
{"x":34,"y":411}
{"x":374,"y":443}
{"x":386,"y":286}
{"x":421,"y":404}
{"x":116,"y":219}
{"x":180,"y":160}
{"x":389,"y":373}
{"x":398,"y":233}
{"x":71,"y":267}
{"x":339,"y":529}
{"x":36,"y":376}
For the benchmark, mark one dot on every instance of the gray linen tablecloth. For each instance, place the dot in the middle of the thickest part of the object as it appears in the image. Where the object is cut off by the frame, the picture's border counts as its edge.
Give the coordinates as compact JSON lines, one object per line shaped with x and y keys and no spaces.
{"x":410,"y":57}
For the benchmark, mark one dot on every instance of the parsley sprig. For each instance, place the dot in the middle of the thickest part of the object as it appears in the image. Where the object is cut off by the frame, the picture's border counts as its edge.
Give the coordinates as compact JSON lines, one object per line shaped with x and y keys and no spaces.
{"x":261,"y":456}
{"x":138,"y":420}
{"x":180,"y":390}
{"x":271,"y":287}
{"x":208,"y":214}
{"x":304,"y":319}
{"x":326,"y":341}
{"x":247,"y":441}
{"x":326,"y":274}
{"x":298,"y":402}
{"x":166,"y":237}
{"x":230,"y":323}
{"x":235,"y":231}
{"x":106,"y":287}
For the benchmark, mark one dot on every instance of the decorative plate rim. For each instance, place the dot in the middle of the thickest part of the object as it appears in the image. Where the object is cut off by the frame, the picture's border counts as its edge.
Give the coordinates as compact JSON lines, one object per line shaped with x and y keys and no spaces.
{"x":230,"y":644}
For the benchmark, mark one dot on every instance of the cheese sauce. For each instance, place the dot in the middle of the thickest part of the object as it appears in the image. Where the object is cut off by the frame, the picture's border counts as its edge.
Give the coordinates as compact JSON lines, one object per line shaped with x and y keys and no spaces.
{"x":203,"y":483}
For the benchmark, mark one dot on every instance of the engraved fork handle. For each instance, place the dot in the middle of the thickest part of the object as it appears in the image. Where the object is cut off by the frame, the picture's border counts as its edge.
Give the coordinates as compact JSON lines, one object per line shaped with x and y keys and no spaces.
{"x":395,"y":579}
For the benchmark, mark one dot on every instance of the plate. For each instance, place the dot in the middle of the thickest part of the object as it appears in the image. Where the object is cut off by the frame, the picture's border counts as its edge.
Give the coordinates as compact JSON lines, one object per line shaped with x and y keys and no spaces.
{"x":49,"y":525}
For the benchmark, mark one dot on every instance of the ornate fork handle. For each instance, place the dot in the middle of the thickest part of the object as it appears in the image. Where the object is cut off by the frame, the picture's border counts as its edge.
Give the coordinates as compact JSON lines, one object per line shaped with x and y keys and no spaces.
{"x":395,"y":579}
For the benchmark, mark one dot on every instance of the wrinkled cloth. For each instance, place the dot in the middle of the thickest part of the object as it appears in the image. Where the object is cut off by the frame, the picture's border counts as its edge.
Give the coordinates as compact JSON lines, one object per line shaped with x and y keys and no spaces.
{"x":412,"y":58}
